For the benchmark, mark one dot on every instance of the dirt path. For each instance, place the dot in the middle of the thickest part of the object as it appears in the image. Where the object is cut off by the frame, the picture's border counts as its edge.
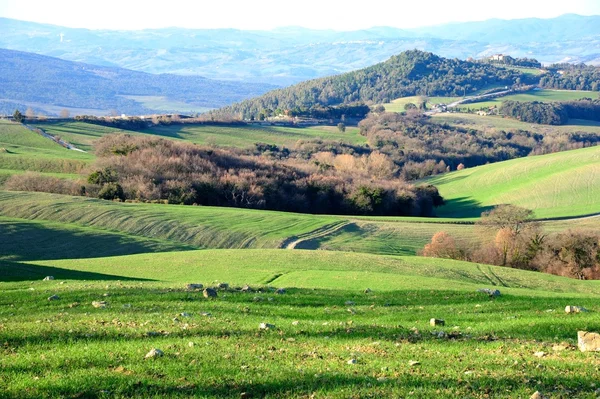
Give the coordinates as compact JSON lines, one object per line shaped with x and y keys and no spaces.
{"x":60,"y":142}
{"x":292,"y":242}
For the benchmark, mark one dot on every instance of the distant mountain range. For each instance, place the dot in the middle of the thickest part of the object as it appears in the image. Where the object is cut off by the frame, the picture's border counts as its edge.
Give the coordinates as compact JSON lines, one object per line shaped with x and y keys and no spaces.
{"x":289,"y":55}
{"x":47,"y":85}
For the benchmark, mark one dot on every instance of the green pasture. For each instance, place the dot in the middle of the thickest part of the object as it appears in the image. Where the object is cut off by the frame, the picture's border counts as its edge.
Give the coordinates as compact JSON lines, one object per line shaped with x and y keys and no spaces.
{"x":554,"y":185}
{"x":544,"y":95}
{"x":328,"y":337}
{"x":247,"y":136}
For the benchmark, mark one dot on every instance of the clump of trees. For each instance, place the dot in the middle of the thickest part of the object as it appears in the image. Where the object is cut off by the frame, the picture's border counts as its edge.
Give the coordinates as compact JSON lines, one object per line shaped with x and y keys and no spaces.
{"x":421,"y":148}
{"x":554,"y":113}
{"x":514,"y":239}
{"x":572,"y":77}
{"x":154,"y":169}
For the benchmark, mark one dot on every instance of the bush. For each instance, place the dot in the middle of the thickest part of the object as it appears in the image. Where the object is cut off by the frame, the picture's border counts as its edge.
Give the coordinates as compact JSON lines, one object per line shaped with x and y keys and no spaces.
{"x":31,"y":181}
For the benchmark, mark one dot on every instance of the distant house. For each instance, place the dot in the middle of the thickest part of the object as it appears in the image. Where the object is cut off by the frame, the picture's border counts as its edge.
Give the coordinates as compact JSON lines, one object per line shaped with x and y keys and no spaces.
{"x":498,"y":57}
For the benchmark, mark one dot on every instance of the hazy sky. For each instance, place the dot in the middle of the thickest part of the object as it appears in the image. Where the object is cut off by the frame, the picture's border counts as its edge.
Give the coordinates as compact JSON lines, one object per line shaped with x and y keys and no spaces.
{"x":268,"y":14}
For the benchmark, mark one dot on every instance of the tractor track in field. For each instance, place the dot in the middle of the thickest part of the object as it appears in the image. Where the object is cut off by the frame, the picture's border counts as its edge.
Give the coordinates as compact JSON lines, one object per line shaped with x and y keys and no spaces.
{"x":292,"y":242}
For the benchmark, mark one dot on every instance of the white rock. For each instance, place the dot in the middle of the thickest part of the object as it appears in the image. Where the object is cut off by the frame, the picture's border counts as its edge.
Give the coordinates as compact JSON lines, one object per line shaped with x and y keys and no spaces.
{"x":588,"y":341}
{"x":48,"y":278}
{"x":266,"y":326}
{"x":99,"y":304}
{"x":154,"y":353}
{"x":352,"y":361}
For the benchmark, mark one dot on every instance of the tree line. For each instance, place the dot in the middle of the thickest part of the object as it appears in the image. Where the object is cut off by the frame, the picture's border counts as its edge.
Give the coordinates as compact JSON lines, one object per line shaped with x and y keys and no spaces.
{"x":553,"y":113}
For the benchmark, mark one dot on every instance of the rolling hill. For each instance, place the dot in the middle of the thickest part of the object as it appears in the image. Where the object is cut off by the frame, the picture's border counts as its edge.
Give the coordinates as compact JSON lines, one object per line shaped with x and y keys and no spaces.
{"x":407,"y":74}
{"x":555,"y":185}
{"x":48,"y":84}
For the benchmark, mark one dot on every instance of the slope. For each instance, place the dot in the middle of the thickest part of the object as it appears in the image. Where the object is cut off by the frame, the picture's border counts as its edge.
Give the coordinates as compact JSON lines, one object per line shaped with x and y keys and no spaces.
{"x":555,"y":185}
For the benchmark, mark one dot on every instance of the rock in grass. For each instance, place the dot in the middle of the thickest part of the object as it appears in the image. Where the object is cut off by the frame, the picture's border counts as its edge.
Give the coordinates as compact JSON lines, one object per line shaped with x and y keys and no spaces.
{"x":588,"y":341}
{"x":280,"y":291}
{"x":53,"y":298}
{"x":247,"y":288}
{"x":539,"y":354}
{"x":266,"y":326}
{"x":194,"y":287}
{"x":154,"y":353}
{"x":413,"y":363}
{"x":223,"y":286}
{"x":48,"y":278}
{"x":575,"y":309}
{"x":99,"y":304}
{"x":352,"y":361}
{"x":537,"y":395}
{"x":245,"y":395}
{"x":436,"y":322}
{"x":209,"y":293}
{"x":368,"y":291}
{"x":490,"y":292}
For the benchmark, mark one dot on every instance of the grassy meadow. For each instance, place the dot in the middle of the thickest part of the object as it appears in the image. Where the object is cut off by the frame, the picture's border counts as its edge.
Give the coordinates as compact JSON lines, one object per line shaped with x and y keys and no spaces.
{"x":328,"y":338}
{"x":83,"y":135}
{"x":544,"y":95}
{"x":555,"y":185}
{"x":353,"y":321}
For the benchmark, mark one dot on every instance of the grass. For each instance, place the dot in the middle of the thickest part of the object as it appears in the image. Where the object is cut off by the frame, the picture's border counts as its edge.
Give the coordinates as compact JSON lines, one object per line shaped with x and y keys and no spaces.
{"x":398,"y":104}
{"x":100,"y":228}
{"x":28,"y":151}
{"x":54,"y":240}
{"x":486,"y":349}
{"x":534,"y":95}
{"x":555,"y":185}
{"x":246,"y":136}
{"x":498,"y":122}
{"x":201,"y":227}
{"x":81,"y":135}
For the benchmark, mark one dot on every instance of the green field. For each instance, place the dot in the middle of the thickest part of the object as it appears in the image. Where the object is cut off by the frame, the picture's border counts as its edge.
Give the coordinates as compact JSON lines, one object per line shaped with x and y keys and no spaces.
{"x":320,"y":344}
{"x":472,"y":121}
{"x":83,"y":135}
{"x":330,"y":338}
{"x":246,"y":136}
{"x":555,"y":185}
{"x":533,"y":95}
{"x":25,"y":150}
{"x":398,"y":104}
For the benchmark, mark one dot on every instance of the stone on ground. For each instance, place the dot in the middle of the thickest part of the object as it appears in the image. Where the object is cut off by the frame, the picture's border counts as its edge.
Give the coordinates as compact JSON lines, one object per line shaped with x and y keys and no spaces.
{"x":48,"y":278}
{"x":154,"y":353}
{"x":588,"y":341}
{"x":436,"y":322}
{"x":209,"y":293}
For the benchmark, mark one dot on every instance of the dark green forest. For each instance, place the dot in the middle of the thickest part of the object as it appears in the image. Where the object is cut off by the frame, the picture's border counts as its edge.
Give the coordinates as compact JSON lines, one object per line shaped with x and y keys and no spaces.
{"x":554,"y":113}
{"x":407,"y":74}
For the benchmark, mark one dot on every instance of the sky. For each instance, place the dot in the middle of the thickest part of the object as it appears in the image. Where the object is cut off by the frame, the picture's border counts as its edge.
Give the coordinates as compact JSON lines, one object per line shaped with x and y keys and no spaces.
{"x":269,"y":14}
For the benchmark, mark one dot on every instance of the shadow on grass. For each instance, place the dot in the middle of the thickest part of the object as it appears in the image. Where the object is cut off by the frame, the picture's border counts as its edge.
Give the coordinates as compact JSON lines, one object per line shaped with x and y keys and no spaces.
{"x":462,"y":208}
{"x":15,"y":271}
{"x":31,"y":240}
{"x":232,"y":383}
